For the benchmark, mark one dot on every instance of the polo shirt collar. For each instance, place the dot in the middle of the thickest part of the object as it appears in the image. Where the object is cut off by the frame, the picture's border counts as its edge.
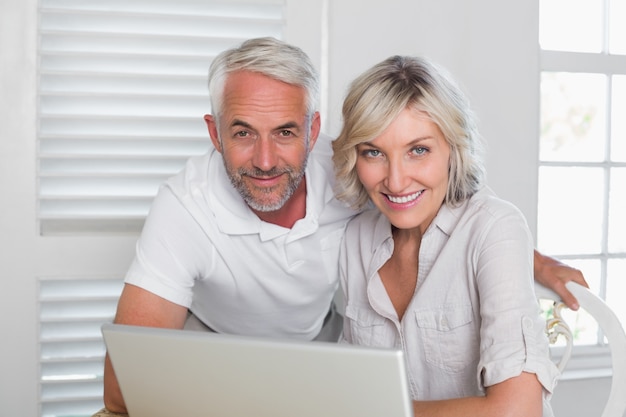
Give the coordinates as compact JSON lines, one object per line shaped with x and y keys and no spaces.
{"x":236,"y":218}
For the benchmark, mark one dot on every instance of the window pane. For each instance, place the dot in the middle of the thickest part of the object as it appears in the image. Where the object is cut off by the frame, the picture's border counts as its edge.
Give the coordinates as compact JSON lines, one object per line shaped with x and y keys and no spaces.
{"x":616,"y":288}
{"x":617,"y":211}
{"x":573,"y":108}
{"x":569,"y":219}
{"x":618,"y":121}
{"x":617,"y":29}
{"x":571,"y":25}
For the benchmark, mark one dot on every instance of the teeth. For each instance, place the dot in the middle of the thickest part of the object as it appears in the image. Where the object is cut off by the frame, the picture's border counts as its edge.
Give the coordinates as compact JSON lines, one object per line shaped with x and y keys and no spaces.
{"x":404,"y":199}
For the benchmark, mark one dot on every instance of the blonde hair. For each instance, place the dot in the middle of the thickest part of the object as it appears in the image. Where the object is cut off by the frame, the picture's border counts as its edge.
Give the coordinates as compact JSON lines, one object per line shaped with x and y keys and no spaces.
{"x":379,"y":95}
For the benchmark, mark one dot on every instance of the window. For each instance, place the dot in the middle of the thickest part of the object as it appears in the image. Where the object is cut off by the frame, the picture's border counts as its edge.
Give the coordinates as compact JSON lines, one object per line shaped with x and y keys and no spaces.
{"x":122,"y":92}
{"x":121,"y":97}
{"x":582,"y":152}
{"x":71,"y":312}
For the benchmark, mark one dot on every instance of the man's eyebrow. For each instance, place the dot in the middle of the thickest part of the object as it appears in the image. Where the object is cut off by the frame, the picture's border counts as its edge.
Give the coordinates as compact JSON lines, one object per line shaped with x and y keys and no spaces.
{"x":241,"y":123}
{"x":288,"y":125}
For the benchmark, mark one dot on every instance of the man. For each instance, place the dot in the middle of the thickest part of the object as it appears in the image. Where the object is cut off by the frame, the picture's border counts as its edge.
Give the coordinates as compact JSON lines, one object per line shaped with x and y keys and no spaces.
{"x":246,"y":239}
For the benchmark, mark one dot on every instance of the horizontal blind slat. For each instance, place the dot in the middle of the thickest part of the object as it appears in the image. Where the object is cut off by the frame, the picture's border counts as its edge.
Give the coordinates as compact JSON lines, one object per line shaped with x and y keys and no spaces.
{"x":251,"y":8}
{"x":146,"y":24}
{"x":89,"y":126}
{"x":77,"y":83}
{"x":119,"y":104}
{"x":109,"y":46}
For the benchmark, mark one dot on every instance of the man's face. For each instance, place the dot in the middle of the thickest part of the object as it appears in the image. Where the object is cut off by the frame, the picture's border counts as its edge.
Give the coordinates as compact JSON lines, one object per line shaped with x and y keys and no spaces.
{"x":264,"y":138}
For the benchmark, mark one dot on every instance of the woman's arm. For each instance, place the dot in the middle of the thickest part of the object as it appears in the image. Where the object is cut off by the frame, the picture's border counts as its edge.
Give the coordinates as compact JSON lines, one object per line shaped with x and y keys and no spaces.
{"x":520,"y":396}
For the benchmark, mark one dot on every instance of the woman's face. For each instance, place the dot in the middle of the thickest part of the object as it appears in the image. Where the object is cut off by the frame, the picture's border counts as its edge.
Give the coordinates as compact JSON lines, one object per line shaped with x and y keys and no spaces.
{"x":405,"y":170}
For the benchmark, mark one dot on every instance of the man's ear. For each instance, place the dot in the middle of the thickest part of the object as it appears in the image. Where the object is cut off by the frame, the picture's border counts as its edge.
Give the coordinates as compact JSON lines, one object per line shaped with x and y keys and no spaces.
{"x":213,"y":133}
{"x":316,"y":125}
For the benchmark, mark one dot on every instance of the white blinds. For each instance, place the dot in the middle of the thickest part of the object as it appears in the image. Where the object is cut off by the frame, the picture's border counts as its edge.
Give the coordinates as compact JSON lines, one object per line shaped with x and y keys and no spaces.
{"x":122,"y":92}
{"x":71,"y":312}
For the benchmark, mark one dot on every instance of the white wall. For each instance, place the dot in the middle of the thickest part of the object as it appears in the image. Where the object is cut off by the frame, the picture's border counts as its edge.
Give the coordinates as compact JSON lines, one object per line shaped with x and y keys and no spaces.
{"x":490,"y":47}
{"x":17,"y":146}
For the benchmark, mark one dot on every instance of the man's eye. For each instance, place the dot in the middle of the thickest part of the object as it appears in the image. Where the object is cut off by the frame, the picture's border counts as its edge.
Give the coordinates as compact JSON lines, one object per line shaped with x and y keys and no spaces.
{"x":286,"y":133}
{"x":242,"y":134}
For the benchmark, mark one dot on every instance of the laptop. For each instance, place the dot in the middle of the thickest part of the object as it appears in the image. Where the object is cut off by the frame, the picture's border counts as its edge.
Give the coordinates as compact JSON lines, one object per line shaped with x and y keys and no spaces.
{"x":165,"y":373}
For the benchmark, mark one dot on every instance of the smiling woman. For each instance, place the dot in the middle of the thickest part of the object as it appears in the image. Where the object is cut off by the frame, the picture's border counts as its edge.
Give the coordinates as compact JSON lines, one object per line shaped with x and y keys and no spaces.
{"x":439,"y":265}
{"x":404,"y":170}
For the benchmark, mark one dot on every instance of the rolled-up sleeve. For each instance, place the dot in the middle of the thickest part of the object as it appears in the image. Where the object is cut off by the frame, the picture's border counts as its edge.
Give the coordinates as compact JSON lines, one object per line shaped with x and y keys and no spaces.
{"x":513,"y":338}
{"x":502,"y":361}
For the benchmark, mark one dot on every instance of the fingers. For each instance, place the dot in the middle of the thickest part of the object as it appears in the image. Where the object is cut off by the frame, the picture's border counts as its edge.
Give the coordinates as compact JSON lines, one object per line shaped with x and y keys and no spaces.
{"x":568,"y":298}
{"x":578,"y":277}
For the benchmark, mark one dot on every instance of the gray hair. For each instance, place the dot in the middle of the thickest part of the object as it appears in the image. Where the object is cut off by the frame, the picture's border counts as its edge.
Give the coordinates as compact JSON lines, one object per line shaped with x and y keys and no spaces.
{"x":379,"y":95}
{"x":270,"y":57}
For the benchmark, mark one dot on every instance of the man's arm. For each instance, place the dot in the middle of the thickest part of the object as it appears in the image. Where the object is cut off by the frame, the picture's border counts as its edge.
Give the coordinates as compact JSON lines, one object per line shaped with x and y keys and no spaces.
{"x":139,"y":307}
{"x":554,"y":274}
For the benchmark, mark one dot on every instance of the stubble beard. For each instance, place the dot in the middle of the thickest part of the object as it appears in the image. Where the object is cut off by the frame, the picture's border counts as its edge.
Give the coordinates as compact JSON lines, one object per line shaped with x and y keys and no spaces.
{"x":264,"y":199}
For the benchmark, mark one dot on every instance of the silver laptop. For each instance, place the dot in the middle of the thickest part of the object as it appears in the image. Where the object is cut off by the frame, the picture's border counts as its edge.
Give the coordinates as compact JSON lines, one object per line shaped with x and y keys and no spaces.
{"x":165,"y":373}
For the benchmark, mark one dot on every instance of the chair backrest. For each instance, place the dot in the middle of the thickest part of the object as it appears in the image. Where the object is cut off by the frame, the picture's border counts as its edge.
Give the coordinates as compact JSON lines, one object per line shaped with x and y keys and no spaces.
{"x":612,"y":329}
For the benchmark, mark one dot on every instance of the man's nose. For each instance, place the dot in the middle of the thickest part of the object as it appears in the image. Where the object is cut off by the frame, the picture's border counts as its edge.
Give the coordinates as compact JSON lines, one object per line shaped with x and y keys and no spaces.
{"x":265,"y":156}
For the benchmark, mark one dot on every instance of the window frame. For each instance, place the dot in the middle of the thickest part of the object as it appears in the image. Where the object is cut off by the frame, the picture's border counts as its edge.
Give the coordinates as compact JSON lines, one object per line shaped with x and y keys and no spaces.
{"x":588,"y":361}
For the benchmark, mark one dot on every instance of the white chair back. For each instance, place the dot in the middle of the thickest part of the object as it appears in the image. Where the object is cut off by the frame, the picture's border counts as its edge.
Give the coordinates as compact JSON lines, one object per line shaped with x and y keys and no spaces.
{"x":612,"y":329}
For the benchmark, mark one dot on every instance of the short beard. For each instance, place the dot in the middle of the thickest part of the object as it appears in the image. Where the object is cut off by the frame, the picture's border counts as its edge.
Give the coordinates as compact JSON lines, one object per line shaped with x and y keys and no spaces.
{"x":294,"y":176}
{"x":294,"y":179}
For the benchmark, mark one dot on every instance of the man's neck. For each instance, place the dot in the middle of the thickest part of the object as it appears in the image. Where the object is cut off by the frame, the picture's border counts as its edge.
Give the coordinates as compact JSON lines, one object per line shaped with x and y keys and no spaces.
{"x":292,"y":211}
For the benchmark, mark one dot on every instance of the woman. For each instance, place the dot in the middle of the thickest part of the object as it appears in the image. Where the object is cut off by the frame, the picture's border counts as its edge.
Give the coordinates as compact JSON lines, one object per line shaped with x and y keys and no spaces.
{"x":440,"y":267}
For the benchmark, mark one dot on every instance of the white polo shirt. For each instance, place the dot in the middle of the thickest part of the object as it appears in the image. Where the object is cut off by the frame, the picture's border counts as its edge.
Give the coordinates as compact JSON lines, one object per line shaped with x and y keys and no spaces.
{"x":473,"y":320}
{"x":203,"y":248}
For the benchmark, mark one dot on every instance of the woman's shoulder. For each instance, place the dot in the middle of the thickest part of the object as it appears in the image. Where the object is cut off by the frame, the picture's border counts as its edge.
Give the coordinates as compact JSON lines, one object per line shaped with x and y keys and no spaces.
{"x":485,"y":202}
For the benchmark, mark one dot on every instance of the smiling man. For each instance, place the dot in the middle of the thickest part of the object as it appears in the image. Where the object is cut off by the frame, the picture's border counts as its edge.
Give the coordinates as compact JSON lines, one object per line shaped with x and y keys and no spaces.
{"x":245,"y":240}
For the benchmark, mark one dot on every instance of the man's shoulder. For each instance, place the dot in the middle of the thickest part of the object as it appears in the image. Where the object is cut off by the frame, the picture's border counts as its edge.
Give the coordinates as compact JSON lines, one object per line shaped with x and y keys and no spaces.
{"x":196,"y":173}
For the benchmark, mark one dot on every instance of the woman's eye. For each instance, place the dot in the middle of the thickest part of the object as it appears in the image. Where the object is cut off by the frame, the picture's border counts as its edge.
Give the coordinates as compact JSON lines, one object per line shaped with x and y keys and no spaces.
{"x":370,"y":153}
{"x":419,"y":150}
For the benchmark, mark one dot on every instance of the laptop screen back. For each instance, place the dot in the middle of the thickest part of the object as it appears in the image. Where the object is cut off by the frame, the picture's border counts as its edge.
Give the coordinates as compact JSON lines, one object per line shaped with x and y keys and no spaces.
{"x":165,"y":372}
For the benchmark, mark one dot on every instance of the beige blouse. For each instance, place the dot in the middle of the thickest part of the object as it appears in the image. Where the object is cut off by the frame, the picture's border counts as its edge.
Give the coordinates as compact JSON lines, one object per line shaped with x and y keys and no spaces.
{"x":474,"y":319}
